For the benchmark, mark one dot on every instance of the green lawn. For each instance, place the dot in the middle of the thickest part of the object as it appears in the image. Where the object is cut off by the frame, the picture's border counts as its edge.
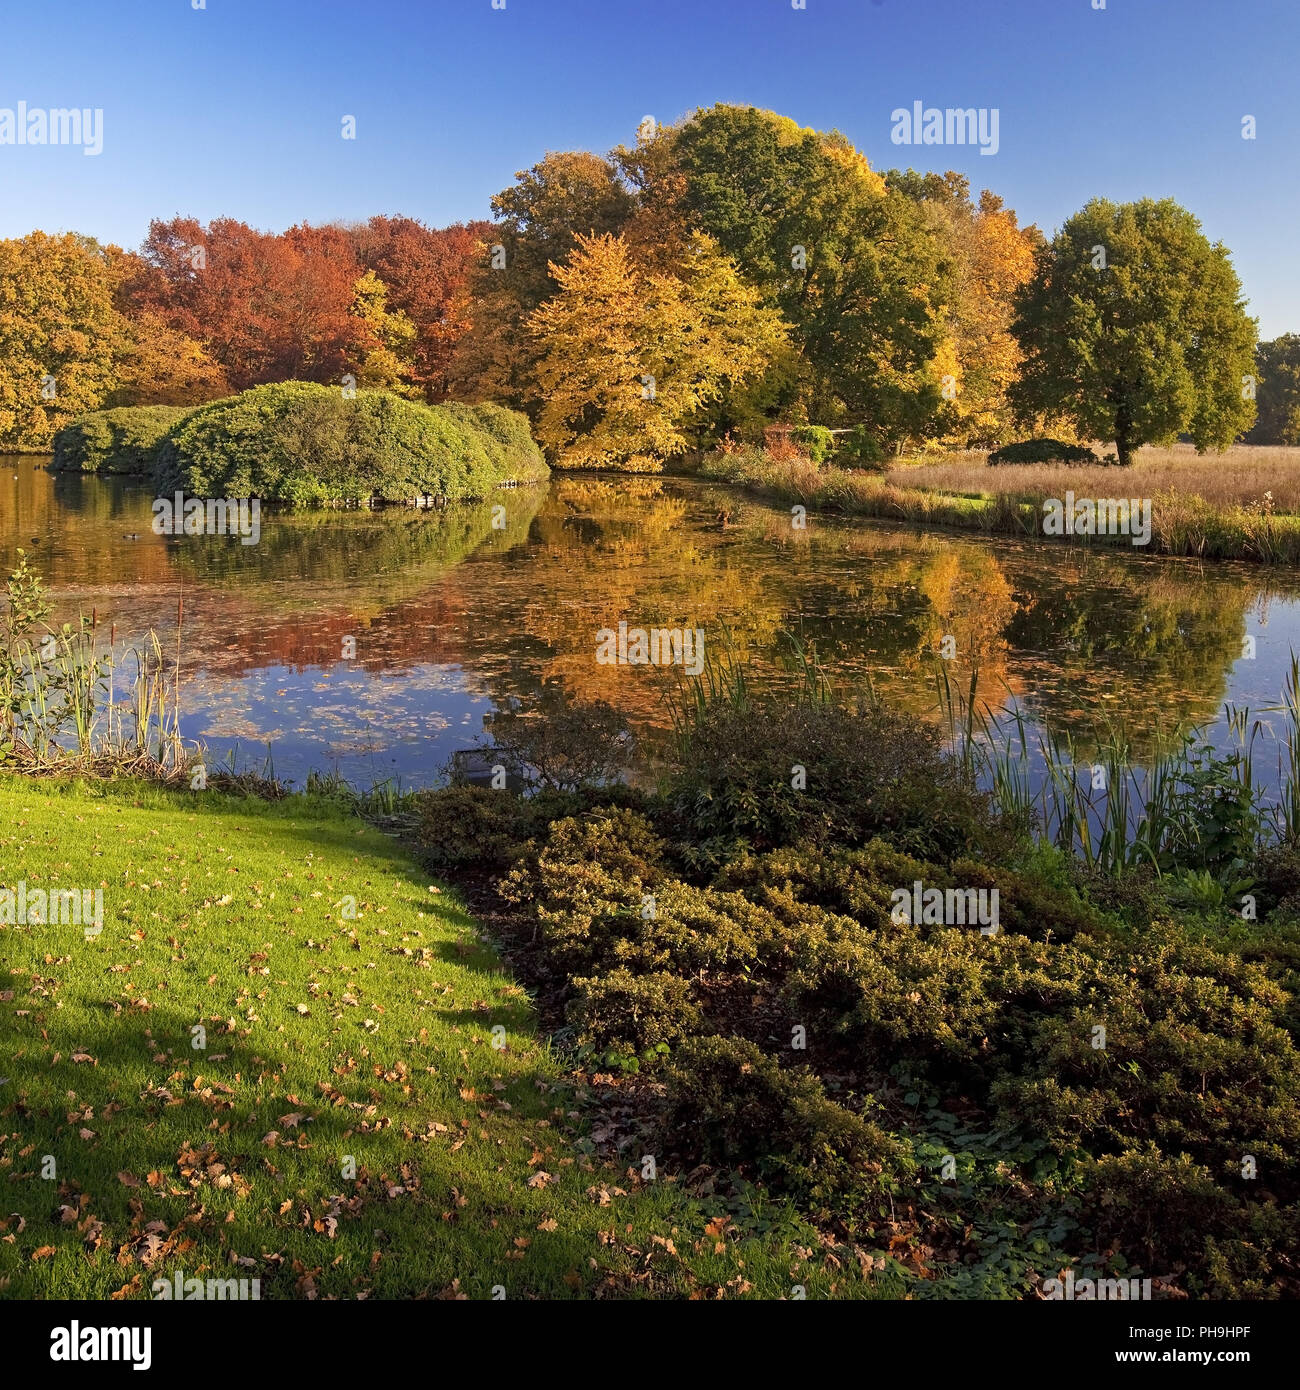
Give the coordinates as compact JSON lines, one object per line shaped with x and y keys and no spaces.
{"x":325,"y":1038}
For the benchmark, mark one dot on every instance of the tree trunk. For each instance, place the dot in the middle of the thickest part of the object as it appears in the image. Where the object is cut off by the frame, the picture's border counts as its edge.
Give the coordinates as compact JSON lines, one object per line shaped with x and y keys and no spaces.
{"x":1123,"y":437}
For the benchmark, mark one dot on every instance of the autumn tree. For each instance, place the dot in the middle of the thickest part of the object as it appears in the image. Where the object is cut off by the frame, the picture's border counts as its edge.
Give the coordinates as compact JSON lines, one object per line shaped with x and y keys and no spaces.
{"x":426,"y":272}
{"x":59,"y":334}
{"x":1133,"y":327}
{"x":267,"y":307}
{"x":990,"y":257}
{"x":540,"y":218}
{"x":851,"y":265}
{"x":388,"y":344}
{"x":627,"y":357}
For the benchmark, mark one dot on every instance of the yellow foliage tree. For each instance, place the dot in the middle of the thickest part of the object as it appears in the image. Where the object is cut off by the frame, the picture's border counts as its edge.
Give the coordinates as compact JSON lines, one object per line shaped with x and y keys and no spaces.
{"x":391,"y":340}
{"x":627,"y":357}
{"x":59,"y":334}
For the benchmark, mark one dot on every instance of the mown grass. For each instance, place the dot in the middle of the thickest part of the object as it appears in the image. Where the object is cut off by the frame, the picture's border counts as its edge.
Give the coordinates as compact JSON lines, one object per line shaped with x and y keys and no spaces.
{"x":1009,"y":501}
{"x":475,"y":1165}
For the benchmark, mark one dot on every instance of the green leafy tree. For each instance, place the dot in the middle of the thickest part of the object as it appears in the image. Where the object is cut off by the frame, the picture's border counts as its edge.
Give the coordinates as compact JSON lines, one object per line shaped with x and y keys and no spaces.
{"x":1133,"y":328}
{"x":1278,"y":399}
{"x":851,"y":265}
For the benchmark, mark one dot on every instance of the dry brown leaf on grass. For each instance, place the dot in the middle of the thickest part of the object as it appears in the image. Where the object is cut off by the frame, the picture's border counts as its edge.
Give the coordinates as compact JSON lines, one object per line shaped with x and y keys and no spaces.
{"x":550,"y":1224}
{"x":129,"y":1179}
{"x":540,"y":1179}
{"x":44,"y":1252}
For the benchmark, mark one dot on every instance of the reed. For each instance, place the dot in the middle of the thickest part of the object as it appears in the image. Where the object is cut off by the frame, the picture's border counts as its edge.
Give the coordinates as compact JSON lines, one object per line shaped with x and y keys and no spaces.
{"x":59,"y":694}
{"x":1193,"y":810}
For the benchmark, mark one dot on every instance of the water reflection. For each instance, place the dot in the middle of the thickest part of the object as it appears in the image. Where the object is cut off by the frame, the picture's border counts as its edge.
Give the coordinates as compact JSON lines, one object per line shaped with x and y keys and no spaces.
{"x":451,"y":613}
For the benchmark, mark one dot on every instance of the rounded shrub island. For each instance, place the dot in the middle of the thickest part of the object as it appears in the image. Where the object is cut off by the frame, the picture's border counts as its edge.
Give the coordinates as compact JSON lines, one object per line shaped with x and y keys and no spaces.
{"x":306,"y":444}
{"x":122,"y":440}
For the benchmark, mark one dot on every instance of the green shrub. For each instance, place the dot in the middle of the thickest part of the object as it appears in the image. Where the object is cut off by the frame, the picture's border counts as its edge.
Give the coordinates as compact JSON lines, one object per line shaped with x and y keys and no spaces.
{"x":462,"y":826}
{"x":860,"y":449}
{"x":1194,"y":1059}
{"x":506,"y":437}
{"x":816,"y":441}
{"x":1042,"y":451}
{"x":1154,"y":1210}
{"x":1276,"y":871}
{"x":957,"y":1005}
{"x":466,"y":825}
{"x":123,"y":440}
{"x":306,"y":444}
{"x":738,"y":1106}
{"x":868,"y":773}
{"x":624,"y":1011}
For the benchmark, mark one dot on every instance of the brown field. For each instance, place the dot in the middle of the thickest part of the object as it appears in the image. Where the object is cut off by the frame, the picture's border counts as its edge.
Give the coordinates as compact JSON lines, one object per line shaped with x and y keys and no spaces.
{"x":1240,"y":477}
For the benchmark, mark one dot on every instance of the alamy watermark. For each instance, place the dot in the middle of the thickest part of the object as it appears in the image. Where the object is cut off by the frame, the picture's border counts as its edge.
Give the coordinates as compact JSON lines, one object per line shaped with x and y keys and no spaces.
{"x":951,"y":907}
{"x":1074,"y":1290}
{"x":24,"y":125}
{"x":953,"y":125}
{"x":209,"y":516}
{"x":1101,"y":516}
{"x":53,"y":907}
{"x":77,"y":1343}
{"x":179,"y":1288}
{"x":655,"y":646}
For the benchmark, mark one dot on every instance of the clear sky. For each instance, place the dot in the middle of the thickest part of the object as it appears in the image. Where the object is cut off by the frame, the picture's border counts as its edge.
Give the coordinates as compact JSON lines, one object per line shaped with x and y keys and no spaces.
{"x":236,"y":109}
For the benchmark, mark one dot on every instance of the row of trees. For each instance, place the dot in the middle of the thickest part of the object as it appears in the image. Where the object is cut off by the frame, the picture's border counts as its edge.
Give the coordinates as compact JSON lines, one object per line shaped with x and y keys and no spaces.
{"x":201,"y":311}
{"x":720,"y":274}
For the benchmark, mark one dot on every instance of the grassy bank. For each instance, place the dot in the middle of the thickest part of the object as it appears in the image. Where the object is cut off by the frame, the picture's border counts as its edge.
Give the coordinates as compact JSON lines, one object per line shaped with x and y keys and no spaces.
{"x":1009,"y":501}
{"x":324,"y":1037}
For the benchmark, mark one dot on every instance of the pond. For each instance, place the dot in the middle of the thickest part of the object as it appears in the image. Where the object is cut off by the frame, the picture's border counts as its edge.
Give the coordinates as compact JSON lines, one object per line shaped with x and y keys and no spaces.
{"x":453,"y":613}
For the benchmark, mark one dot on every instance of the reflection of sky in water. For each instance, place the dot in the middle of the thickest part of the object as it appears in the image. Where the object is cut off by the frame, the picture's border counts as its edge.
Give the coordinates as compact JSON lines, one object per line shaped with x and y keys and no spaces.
{"x":452,"y":617}
{"x":367,"y":727}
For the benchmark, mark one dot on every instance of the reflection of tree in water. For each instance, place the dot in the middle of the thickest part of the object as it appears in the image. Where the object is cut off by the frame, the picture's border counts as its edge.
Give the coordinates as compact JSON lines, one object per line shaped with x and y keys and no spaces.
{"x":379,"y":557}
{"x":1113,"y":640}
{"x":1070,"y":633}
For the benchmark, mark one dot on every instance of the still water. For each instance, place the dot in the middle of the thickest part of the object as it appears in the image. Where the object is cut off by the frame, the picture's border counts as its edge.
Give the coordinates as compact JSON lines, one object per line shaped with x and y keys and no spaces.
{"x":453,"y":617}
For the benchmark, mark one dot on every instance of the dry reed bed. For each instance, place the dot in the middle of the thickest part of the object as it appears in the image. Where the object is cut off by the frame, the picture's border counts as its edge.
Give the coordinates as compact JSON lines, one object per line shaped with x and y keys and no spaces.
{"x":1238,"y":478}
{"x":1182,"y":522}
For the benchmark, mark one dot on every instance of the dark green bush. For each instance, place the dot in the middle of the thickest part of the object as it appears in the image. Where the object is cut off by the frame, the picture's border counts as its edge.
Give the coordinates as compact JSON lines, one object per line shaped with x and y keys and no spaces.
{"x":1276,"y":872}
{"x":1156,"y":1210}
{"x":860,"y":449}
{"x":298,"y":442}
{"x":1042,"y":451}
{"x":867,"y":773}
{"x":123,"y":440}
{"x":463,"y":826}
{"x":736,"y":1105}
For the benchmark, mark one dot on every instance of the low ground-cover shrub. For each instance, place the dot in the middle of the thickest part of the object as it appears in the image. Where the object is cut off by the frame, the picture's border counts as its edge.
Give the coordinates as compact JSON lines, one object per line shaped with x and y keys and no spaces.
{"x":123,"y":440}
{"x":736,"y":1105}
{"x":1107,"y":1063}
{"x":299,"y":442}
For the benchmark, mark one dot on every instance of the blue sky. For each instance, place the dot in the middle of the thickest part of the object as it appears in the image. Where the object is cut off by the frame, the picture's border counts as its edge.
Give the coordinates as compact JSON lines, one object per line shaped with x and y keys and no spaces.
{"x":236,"y":109}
